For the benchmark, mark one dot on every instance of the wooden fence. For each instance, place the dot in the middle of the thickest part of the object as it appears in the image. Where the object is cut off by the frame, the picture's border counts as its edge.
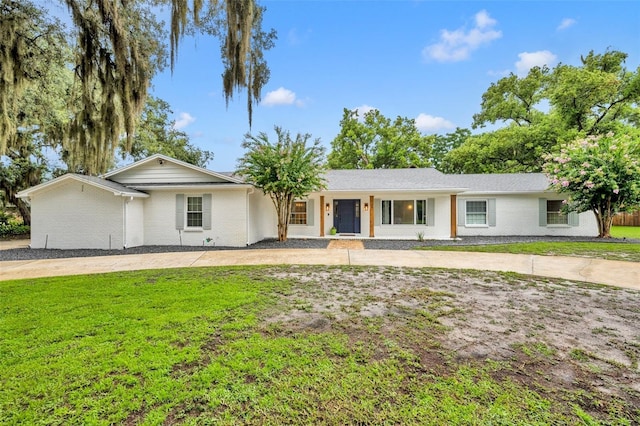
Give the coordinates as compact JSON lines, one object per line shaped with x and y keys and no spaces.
{"x":627,"y":219}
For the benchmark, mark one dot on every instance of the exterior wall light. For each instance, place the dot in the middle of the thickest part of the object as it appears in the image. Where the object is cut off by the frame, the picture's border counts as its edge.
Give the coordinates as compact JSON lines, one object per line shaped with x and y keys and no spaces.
{"x":327,"y":207}
{"x":366,"y":207}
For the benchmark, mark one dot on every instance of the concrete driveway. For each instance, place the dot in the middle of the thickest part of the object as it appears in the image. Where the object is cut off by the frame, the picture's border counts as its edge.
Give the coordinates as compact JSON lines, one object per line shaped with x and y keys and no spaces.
{"x":609,"y":272}
{"x":13,"y":244}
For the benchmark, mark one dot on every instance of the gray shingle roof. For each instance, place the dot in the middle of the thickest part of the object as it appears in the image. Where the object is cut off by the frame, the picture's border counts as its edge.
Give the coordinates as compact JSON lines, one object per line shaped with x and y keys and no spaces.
{"x":432,"y":179}
{"x":386,"y":179}
{"x":502,"y":182}
{"x":115,"y":186}
{"x":99,"y":182}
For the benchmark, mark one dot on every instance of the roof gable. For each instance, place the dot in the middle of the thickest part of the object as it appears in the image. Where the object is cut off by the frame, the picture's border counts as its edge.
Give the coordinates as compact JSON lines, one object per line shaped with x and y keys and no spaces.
{"x":100,"y":183}
{"x":160,"y":169}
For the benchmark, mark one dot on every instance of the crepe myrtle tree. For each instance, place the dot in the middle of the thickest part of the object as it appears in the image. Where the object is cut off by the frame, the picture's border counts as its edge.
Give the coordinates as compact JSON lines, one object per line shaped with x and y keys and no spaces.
{"x":285,"y":170}
{"x":601,"y":173}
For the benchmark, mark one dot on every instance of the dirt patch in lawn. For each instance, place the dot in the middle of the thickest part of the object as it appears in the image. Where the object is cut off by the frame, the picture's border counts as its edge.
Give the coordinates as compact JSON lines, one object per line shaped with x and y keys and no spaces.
{"x":574,"y":343}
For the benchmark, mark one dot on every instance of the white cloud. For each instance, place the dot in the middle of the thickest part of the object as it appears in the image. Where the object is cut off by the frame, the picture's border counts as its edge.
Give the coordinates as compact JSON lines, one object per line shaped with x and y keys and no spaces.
{"x":483,"y":20}
{"x":281,"y":96}
{"x":429,"y":123}
{"x":457,"y":45}
{"x":295,"y":38}
{"x":529,"y":60}
{"x":183,"y":120}
{"x":566,"y":23}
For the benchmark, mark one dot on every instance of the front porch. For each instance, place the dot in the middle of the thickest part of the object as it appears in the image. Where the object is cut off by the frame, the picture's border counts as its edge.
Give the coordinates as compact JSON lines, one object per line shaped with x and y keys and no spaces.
{"x":358,"y":217}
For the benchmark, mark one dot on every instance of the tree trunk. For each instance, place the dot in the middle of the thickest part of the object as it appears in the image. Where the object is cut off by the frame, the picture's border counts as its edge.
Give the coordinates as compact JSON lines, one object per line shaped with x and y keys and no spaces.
{"x":23,"y":208}
{"x":605,"y":220}
{"x":282,"y":232}
{"x":283,"y":210}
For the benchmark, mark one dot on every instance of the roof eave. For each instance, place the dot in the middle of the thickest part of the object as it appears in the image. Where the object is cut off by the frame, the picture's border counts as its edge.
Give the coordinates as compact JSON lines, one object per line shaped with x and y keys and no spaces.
{"x":30,"y":191}
{"x":172,"y":160}
{"x":431,"y":190}
{"x":515,"y":192}
{"x":131,"y":194}
{"x":146,"y":187}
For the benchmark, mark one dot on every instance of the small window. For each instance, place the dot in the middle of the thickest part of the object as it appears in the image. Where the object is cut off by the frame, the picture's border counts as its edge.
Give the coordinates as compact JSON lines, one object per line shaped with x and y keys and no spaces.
{"x":404,"y":212}
{"x":194,"y":212}
{"x":555,"y":216}
{"x":476,"y":212}
{"x":299,"y":213}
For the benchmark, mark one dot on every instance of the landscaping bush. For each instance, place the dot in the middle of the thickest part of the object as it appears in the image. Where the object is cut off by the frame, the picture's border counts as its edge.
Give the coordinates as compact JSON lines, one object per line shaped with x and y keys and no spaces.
{"x":4,"y":218}
{"x":13,"y":229}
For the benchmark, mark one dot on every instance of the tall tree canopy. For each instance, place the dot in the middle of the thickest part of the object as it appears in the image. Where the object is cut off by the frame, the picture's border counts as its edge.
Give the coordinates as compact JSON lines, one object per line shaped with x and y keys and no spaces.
{"x":546,"y":109}
{"x":376,"y":142}
{"x":117,"y":52}
{"x":30,"y":45}
{"x":118,"y":48}
{"x":511,"y":149}
{"x":285,"y":170}
{"x":442,"y":144}
{"x":37,"y":109}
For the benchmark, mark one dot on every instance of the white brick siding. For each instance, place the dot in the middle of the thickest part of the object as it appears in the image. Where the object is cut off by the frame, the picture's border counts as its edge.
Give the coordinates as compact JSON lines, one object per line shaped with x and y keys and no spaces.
{"x":228,"y":224}
{"x":76,"y":215}
{"x":518,"y":215}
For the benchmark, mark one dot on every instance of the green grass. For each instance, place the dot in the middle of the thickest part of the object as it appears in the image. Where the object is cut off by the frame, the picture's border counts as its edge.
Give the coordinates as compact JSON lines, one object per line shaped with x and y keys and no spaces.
{"x":626,"y":232}
{"x":189,"y":347}
{"x":629,"y":251}
{"x":602,"y":250}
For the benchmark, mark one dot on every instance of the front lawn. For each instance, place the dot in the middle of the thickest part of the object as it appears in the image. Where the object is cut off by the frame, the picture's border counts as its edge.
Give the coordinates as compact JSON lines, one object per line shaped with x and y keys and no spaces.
{"x":316,"y":345}
{"x":626,"y":232}
{"x":601,"y":250}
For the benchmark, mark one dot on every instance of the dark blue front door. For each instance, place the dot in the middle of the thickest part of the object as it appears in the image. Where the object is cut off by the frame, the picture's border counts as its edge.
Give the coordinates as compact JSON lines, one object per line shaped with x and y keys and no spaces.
{"x":346,"y":216}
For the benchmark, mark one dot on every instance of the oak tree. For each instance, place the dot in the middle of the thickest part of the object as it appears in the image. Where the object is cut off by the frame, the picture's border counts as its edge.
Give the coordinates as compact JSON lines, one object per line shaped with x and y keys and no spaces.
{"x":546,"y":109}
{"x":119,"y":46}
{"x":373,"y":141}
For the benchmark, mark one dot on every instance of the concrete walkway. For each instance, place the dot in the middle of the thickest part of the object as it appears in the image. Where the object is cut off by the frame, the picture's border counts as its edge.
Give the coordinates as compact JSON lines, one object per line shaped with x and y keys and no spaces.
{"x":14,"y":244}
{"x":610,"y":272}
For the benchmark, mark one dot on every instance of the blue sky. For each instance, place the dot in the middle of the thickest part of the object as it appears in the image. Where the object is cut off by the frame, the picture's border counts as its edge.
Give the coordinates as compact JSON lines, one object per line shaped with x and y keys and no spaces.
{"x":426,"y":60}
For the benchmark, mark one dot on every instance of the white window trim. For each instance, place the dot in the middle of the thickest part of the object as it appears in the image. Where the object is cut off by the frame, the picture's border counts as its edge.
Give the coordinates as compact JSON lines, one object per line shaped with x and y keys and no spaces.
{"x":188,"y":228}
{"x":415,"y":212}
{"x":486,"y":213}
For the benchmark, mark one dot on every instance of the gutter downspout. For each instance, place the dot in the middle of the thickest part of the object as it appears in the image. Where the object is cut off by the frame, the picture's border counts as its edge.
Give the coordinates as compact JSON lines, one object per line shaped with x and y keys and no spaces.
{"x":125,"y":202}
{"x":248,"y":214}
{"x":124,"y":222}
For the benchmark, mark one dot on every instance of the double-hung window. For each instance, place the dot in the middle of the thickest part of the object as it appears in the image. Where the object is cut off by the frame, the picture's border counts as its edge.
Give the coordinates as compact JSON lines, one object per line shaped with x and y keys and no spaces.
{"x":299,"y":213}
{"x":194,"y":212}
{"x":404,"y":212}
{"x":555,"y":216}
{"x":476,"y":212}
